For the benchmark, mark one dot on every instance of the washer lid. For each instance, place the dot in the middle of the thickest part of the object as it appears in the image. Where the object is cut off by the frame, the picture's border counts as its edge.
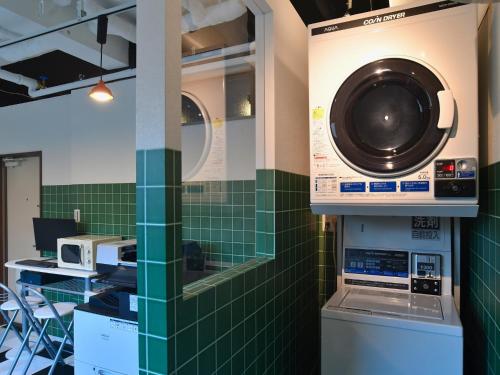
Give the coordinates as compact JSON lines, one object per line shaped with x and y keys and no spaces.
{"x":399,"y":304}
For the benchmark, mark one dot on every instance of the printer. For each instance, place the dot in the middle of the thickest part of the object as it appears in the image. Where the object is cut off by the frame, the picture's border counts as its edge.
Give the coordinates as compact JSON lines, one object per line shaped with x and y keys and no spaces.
{"x":117,"y":264}
{"x":110,"y":255}
{"x":106,"y":328}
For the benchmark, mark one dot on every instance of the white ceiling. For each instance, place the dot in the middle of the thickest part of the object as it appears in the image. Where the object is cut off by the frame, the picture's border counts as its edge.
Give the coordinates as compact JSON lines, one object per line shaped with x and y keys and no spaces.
{"x":26,"y":17}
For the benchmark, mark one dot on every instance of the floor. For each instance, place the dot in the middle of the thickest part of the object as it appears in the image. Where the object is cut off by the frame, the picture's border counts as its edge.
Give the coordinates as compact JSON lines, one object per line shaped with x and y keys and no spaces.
{"x":40,"y":365}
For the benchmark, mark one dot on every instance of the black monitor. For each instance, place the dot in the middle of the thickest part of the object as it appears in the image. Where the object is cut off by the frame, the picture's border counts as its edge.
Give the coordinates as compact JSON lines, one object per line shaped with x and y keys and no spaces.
{"x":47,"y":231}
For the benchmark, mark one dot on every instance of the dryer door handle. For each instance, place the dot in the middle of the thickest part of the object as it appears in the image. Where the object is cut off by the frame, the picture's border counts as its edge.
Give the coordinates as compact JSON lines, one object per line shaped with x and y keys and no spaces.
{"x":446,"y":109}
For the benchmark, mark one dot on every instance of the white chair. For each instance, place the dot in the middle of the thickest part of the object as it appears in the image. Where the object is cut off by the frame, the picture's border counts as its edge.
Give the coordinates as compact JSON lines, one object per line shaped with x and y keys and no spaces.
{"x":50,"y":312}
{"x":13,"y":305}
{"x":24,"y":304}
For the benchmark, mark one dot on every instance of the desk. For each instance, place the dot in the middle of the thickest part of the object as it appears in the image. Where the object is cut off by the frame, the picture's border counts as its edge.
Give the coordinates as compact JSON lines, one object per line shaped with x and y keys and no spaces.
{"x":87,"y":276}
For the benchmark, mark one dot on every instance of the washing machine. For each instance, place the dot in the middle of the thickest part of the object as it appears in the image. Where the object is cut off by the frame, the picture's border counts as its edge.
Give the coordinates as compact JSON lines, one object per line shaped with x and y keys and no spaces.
{"x":394,"y":312}
{"x":394,"y":112}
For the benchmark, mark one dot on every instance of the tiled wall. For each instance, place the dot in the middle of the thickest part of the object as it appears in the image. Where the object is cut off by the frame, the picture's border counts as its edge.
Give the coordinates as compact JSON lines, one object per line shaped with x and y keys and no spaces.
{"x":107,"y":209}
{"x":220,"y":216}
{"x":481,"y":279}
{"x":159,"y":263}
{"x":261,"y":317}
{"x":327,"y":272}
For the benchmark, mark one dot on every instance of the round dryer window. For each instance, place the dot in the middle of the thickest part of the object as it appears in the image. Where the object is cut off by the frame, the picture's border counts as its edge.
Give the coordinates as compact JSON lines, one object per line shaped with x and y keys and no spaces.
{"x":391,"y":117}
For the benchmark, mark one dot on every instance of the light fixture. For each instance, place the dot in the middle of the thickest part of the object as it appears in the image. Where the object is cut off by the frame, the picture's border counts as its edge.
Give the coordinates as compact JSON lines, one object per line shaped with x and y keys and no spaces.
{"x":100,"y":92}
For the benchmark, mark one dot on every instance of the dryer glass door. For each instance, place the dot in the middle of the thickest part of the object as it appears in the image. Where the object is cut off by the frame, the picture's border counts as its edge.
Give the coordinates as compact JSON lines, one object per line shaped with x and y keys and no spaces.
{"x":385,"y":116}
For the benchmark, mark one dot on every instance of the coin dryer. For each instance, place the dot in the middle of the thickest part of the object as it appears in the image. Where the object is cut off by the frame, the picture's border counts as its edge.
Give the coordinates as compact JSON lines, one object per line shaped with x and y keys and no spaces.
{"x":394,"y":309}
{"x":394,"y":113}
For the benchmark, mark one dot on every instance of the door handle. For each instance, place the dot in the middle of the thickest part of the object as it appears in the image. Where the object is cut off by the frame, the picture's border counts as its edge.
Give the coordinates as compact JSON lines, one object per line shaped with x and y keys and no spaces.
{"x":446,"y":109}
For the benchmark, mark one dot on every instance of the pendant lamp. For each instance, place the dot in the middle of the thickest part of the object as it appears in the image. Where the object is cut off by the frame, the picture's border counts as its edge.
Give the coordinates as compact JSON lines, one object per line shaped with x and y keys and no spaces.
{"x":100,"y":92}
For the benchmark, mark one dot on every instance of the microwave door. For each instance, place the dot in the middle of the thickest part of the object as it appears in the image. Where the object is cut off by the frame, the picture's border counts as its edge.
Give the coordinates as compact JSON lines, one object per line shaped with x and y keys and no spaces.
{"x":71,"y":254}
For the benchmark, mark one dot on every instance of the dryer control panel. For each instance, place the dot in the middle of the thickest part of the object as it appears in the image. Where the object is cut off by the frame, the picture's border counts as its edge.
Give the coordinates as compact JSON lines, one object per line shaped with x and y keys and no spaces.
{"x":455,"y":178}
{"x":426,"y":274}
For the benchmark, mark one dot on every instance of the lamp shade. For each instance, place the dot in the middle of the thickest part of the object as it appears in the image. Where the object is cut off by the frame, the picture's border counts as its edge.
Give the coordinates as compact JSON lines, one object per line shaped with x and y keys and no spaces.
{"x":101,"y":93}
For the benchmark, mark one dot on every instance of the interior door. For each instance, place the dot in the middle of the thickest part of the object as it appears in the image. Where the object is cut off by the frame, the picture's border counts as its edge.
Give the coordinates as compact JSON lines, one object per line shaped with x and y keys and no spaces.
{"x":391,"y":117}
{"x":23,"y":204}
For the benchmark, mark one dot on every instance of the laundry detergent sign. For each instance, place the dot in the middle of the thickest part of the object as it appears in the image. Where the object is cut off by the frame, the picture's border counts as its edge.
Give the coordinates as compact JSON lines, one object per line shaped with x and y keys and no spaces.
{"x":425,"y":228}
{"x":388,"y":17}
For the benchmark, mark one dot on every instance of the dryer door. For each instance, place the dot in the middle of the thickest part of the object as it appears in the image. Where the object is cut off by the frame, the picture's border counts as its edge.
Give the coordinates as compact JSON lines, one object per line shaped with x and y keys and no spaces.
{"x":391,"y":117}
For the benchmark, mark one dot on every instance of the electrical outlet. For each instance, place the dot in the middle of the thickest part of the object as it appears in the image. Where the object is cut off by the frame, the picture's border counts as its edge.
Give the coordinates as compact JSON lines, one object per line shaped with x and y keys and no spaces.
{"x":76,"y":215}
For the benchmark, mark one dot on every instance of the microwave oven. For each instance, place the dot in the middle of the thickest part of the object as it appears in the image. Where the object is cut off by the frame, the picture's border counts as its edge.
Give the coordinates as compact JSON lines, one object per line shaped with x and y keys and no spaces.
{"x":79,"y":252}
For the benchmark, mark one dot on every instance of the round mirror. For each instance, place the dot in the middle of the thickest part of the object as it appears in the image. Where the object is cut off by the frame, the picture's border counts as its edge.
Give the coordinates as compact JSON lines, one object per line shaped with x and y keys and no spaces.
{"x":196,"y":134}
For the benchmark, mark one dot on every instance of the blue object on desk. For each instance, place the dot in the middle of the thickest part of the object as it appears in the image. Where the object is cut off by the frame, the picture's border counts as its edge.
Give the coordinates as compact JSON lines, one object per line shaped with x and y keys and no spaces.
{"x":37,"y":278}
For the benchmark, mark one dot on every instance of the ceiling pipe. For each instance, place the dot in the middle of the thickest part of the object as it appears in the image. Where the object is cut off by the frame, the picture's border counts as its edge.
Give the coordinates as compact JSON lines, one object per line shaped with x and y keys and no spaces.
{"x":35,"y":92}
{"x":30,"y":83}
{"x":123,"y":74}
{"x":116,"y":25}
{"x":200,"y":16}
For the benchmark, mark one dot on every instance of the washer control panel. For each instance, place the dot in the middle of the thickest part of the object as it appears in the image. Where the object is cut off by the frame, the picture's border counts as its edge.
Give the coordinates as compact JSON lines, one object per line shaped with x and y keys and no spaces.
{"x":426,"y":274}
{"x":455,"y":178}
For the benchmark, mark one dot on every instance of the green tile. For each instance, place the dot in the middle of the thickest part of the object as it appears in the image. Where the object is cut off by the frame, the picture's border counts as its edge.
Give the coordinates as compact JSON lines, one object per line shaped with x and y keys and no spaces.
{"x":206,"y":331}
{"x":238,"y":338}
{"x":157,"y":355}
{"x":156,"y":281}
{"x":206,"y":361}
{"x":189,"y":368}
{"x":156,"y":209}
{"x":223,"y":349}
{"x":186,"y":344}
{"x":223,"y":320}
{"x":142,"y":351}
{"x":186,"y":312}
{"x":155,"y":167}
{"x":156,"y":237}
{"x":238,"y":363}
{"x":157,"y":317}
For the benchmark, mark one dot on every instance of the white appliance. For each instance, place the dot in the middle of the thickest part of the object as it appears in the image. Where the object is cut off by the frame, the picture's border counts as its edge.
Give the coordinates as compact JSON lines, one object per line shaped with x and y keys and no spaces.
{"x":105,"y":345}
{"x":113,"y":253}
{"x":79,"y":252}
{"x":394,"y":312}
{"x":394,"y":112}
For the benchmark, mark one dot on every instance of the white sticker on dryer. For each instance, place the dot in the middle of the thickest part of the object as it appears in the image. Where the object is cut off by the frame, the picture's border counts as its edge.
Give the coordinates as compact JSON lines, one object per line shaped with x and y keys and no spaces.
{"x":325,"y":184}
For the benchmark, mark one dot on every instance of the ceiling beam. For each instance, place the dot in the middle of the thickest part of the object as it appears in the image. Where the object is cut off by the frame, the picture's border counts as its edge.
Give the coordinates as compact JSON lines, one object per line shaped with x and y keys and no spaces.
{"x":78,"y":40}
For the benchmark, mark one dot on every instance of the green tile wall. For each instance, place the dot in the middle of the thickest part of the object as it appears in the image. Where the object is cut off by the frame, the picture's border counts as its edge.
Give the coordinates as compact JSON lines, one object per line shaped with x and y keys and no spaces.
{"x":159,"y":230}
{"x":220,"y":216}
{"x":107,"y":209}
{"x":327,"y":273}
{"x":481,"y":279}
{"x":261,"y":317}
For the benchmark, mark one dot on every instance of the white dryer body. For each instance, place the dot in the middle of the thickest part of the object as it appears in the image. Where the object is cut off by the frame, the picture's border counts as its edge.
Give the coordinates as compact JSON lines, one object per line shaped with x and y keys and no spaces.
{"x":394,"y":112}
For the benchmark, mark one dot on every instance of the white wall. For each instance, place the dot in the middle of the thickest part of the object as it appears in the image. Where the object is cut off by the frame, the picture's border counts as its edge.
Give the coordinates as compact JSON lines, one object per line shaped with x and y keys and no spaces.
{"x":291,"y":132}
{"x":81,"y":141}
{"x":489,"y":86}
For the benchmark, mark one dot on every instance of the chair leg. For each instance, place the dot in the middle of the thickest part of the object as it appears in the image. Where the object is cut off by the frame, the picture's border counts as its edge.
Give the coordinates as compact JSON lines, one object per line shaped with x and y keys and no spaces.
{"x":47,"y":343}
{"x":35,"y":348}
{"x":9,"y":326}
{"x":59,"y":352}
{"x":21,"y":349}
